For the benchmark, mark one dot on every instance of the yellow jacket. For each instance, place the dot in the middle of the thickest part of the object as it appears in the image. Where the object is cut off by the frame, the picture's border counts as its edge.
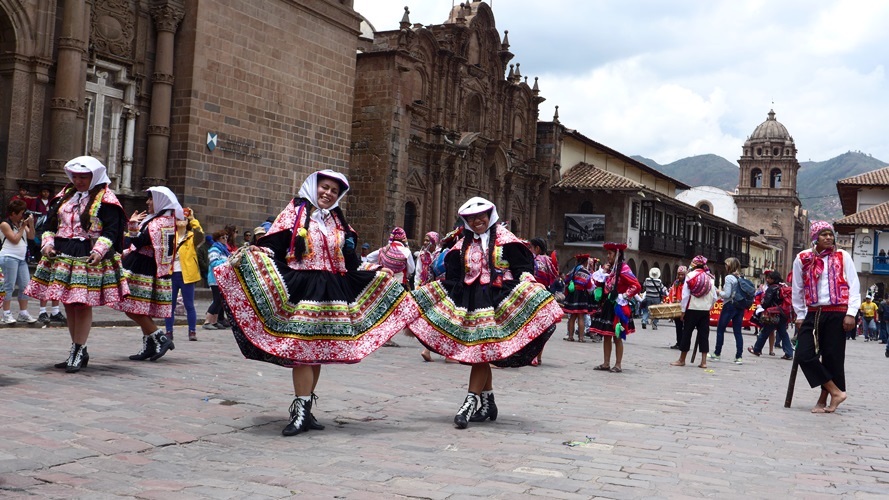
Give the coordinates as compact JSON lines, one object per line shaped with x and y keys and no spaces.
{"x":188,"y":257}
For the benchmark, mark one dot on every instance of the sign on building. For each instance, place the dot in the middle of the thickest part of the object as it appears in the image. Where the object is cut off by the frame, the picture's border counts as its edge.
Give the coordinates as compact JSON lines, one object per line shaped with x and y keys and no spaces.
{"x":584,"y":229}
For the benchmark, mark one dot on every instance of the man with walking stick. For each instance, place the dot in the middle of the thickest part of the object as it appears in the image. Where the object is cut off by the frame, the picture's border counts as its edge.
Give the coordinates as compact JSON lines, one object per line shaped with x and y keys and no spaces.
{"x":826,"y":298}
{"x":698,"y":295}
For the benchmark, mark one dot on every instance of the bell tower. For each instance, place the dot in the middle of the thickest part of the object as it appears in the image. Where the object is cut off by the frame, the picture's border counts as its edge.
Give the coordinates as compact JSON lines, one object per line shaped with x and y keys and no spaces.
{"x":767,"y":198}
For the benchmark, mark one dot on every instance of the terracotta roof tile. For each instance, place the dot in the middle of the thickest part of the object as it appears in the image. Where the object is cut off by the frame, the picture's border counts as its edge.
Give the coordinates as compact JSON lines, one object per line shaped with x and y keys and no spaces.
{"x":879,"y":177}
{"x":876,"y":216}
{"x":586,"y":176}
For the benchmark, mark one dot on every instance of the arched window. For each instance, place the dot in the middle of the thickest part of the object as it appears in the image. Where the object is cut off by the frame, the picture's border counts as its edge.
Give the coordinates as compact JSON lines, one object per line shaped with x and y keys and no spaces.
{"x":756,"y":178}
{"x":775,"y":178}
{"x":410,"y":219}
{"x":705,"y":207}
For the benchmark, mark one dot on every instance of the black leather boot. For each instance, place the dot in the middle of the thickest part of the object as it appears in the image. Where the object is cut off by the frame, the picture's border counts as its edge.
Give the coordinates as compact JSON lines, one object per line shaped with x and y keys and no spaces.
{"x":313,"y":424}
{"x":67,"y":362}
{"x":148,"y":349}
{"x":487,"y":409}
{"x":299,"y":417}
{"x":162,"y":343}
{"x":81,"y":359}
{"x":461,"y":420}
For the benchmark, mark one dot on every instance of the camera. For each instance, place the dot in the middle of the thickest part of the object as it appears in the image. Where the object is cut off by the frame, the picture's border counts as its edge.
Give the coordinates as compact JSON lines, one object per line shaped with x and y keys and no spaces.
{"x":31,"y":212}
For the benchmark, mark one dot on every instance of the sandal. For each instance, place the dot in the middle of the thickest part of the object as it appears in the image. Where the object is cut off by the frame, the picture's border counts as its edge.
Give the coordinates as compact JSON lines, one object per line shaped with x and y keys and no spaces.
{"x":751,"y":351}
{"x":616,"y":369}
{"x":569,"y":339}
{"x":603,"y":368}
{"x":772,"y":353}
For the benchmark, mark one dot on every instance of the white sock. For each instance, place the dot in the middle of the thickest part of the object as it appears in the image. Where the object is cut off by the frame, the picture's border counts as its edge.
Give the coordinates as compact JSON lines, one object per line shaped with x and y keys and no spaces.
{"x":43,"y":310}
{"x":55,"y":310}
{"x":304,"y":398}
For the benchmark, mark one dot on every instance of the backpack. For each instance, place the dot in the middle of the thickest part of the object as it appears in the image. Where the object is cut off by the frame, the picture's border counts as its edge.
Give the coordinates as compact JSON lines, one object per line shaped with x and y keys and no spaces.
{"x":786,"y":294}
{"x":742,"y":295}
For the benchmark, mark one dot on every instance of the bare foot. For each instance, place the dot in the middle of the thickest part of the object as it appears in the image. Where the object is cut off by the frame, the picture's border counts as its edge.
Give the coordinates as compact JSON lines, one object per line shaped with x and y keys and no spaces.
{"x":819,"y":408}
{"x":677,"y":363}
{"x":835,"y":402}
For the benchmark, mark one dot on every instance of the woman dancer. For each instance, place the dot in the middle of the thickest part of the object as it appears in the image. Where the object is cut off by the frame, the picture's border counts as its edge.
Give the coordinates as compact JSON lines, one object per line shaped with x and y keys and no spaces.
{"x":148,"y":265}
{"x":615,"y":319}
{"x":577,"y":300}
{"x":395,"y":256}
{"x":331,"y":313}
{"x":488,"y":309}
{"x":546,"y":272}
{"x":81,"y":262}
{"x":424,"y":272}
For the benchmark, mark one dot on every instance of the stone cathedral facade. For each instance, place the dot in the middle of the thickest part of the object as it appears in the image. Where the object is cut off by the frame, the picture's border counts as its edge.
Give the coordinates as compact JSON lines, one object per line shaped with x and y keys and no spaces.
{"x":441,"y":114}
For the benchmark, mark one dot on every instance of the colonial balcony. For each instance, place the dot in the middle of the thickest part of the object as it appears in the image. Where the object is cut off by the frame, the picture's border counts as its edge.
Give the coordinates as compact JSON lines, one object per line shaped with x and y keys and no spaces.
{"x":880,"y":265}
{"x":662,"y":243}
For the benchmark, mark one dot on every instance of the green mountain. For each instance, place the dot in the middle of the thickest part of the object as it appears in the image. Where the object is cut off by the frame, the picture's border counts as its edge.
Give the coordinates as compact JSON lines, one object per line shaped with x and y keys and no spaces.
{"x":816,"y":183}
{"x":701,"y":170}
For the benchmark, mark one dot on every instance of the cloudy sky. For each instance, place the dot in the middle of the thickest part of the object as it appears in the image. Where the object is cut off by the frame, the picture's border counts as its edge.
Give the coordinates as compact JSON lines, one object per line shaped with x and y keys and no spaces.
{"x":671,"y":79}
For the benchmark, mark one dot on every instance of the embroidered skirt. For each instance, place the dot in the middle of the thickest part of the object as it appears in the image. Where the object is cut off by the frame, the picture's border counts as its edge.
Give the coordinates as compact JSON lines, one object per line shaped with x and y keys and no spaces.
{"x":506,"y":326}
{"x":149,"y":295}
{"x":69,"y":279}
{"x":577,"y":302}
{"x":605,"y":321}
{"x":289,"y":317}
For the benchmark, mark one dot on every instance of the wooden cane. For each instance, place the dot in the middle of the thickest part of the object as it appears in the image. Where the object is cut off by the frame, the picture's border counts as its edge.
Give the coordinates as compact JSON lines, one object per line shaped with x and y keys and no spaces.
{"x":791,"y":383}
{"x":694,"y":351}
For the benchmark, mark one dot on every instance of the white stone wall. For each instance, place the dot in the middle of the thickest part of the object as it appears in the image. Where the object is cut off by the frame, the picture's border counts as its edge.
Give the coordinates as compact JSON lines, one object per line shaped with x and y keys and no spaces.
{"x":721,"y":201}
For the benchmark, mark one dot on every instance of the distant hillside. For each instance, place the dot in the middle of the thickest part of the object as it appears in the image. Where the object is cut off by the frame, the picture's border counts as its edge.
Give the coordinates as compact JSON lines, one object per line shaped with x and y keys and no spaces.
{"x":702,"y":170}
{"x":816,"y":183}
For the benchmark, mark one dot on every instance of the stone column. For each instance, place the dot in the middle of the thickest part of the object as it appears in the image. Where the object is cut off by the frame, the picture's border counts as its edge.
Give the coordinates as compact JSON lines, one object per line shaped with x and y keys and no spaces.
{"x":507,"y":207}
{"x":532,"y":217}
{"x":452,"y":196}
{"x":64,"y":125}
{"x":436,"y":200}
{"x":166,"y":21}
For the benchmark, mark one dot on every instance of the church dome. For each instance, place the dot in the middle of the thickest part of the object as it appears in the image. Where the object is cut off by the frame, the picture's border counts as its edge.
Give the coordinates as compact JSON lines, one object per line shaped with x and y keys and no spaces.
{"x":770,"y":130}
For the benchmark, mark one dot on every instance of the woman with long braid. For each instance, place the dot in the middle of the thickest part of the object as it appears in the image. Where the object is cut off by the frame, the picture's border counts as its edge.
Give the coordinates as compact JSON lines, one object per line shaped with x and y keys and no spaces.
{"x":488,"y":310}
{"x":331,"y":312}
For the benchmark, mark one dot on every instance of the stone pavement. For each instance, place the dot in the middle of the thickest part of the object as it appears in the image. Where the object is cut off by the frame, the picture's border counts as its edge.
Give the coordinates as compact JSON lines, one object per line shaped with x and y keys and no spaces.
{"x":204,"y":423}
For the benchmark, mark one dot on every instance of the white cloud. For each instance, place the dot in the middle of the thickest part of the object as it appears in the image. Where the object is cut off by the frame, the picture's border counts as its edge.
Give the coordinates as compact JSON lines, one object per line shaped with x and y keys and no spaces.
{"x":672,"y":79}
